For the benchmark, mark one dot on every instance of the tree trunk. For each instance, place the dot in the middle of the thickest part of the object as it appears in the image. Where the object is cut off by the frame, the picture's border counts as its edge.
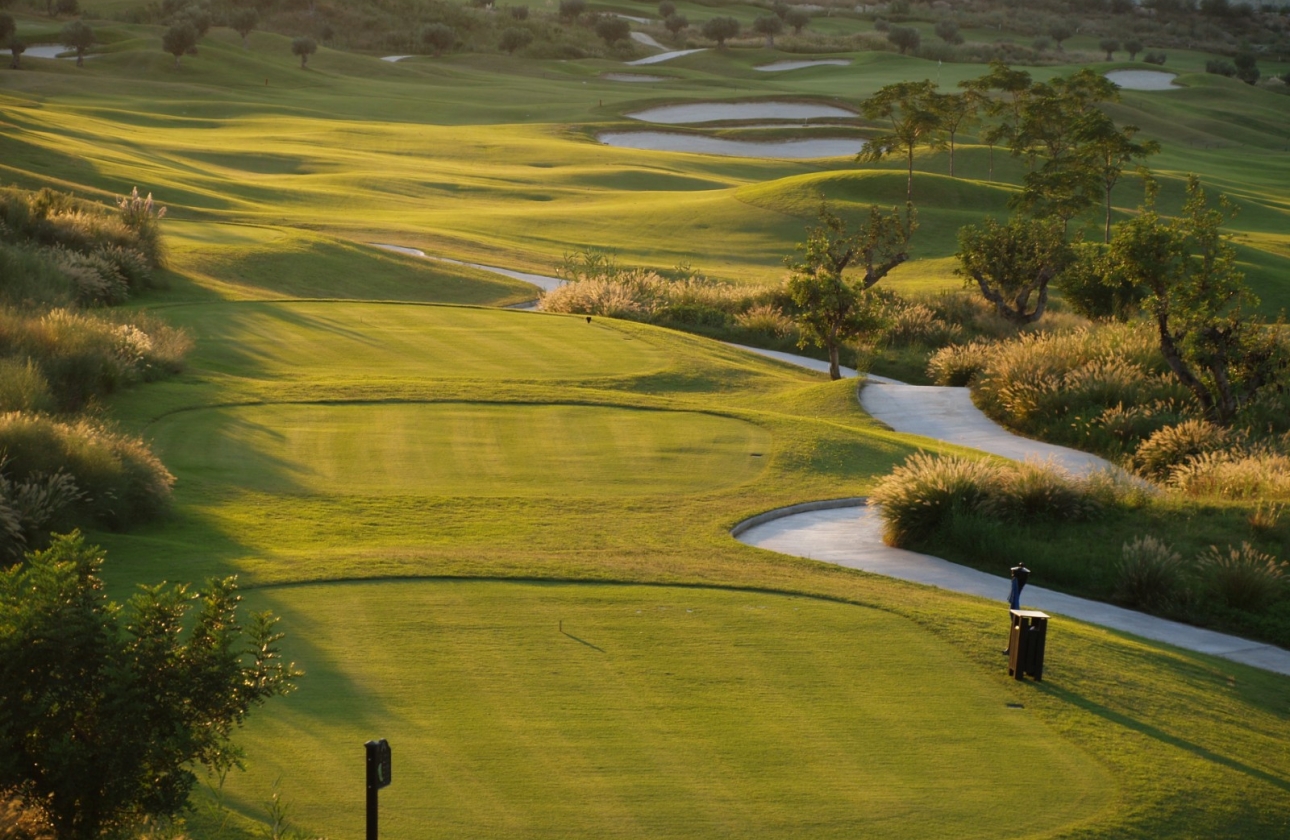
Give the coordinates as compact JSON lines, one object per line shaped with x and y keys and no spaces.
{"x":1174,"y":359}
{"x":835,"y":372}
{"x":80,"y":58}
{"x":951,"y":154}
{"x":1107,"y":240}
{"x":176,"y":62}
{"x":909,"y":186}
{"x":303,"y":58}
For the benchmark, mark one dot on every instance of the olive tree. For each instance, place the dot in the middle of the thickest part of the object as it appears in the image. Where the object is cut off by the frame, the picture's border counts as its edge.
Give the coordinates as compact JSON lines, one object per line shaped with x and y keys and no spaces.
{"x":106,"y":709}
{"x":243,"y":23}
{"x":1110,"y":45}
{"x":304,"y":47}
{"x":439,"y":37}
{"x":514,"y":38}
{"x":909,"y":108}
{"x":78,"y":36}
{"x":948,"y":31}
{"x":675,"y":23}
{"x":797,"y":18}
{"x":1186,"y":270}
{"x":1012,"y":264}
{"x":831,"y":308}
{"x":769,"y":26}
{"x":179,"y":39}
{"x":613,"y":29}
{"x":904,"y":38}
{"x":720,"y":29}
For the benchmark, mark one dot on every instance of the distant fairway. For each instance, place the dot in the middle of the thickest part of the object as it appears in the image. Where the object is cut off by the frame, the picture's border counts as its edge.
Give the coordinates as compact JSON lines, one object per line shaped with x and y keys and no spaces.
{"x":461,"y":449}
{"x":656,"y":713}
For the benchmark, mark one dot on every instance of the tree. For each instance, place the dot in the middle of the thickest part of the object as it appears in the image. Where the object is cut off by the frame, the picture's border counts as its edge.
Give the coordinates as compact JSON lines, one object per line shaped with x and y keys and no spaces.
{"x":904,"y":38}
{"x":1110,"y":149}
{"x":67,"y":7}
{"x":439,"y":37}
{"x":7,"y":27}
{"x":78,"y":36}
{"x":675,"y":23}
{"x":1247,"y":68}
{"x":780,"y":8}
{"x":720,"y":29}
{"x":179,"y":39}
{"x":954,"y":111}
{"x":304,"y":47}
{"x":514,"y":39}
{"x":1012,"y":262}
{"x":948,"y":31}
{"x":1110,"y":45}
{"x":909,"y":108}
{"x":830,"y":308}
{"x":243,"y":23}
{"x":1187,"y":271}
{"x":106,"y":708}
{"x":572,"y":9}
{"x":16,"y":48}
{"x":798,"y":18}
{"x":613,"y":29}
{"x":770,"y":26}
{"x":666,"y":9}
{"x":1133,"y":46}
{"x":1060,"y":31}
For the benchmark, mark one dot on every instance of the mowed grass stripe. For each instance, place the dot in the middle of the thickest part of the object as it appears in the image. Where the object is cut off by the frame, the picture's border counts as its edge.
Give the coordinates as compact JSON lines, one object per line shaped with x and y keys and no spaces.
{"x":347,"y":340}
{"x":460,"y":449}
{"x":655,"y":713}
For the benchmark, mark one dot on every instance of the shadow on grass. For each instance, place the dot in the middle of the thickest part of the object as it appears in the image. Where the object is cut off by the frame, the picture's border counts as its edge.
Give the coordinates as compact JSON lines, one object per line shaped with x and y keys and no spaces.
{"x":1144,"y":728}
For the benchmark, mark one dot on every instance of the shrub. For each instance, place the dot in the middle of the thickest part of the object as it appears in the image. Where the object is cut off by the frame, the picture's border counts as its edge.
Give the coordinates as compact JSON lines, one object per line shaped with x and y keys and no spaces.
{"x":143,"y":217}
{"x":1173,"y":446}
{"x":924,"y":492}
{"x":1243,"y":578}
{"x":1149,"y":573}
{"x":120,"y":479}
{"x":957,"y":365}
{"x":23,"y":386}
{"x":911,"y":323}
{"x":928,"y":491}
{"x":1155,"y":58}
{"x":1234,"y":475}
{"x":767,"y":319}
{"x":1032,"y":491}
{"x":29,"y":508}
{"x":1220,"y":67}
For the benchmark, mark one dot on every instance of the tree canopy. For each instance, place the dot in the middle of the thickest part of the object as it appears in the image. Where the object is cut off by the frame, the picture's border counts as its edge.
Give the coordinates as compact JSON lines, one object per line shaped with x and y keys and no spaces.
{"x":106,"y":708}
{"x":720,"y":29}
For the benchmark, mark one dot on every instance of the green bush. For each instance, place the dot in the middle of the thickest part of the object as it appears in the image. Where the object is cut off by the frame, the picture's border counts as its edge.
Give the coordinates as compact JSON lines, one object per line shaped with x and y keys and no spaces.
{"x":119,"y":480}
{"x":1229,"y":474}
{"x":1173,"y":446}
{"x":30,"y":509}
{"x":958,"y":364}
{"x":1149,"y":574}
{"x":1243,"y":578}
{"x":927,"y":492}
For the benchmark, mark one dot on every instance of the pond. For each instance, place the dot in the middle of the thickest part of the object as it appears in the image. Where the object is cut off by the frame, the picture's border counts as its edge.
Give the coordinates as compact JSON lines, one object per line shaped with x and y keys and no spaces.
{"x":660,"y":141}
{"x":699,"y":112}
{"x":1144,"y":80}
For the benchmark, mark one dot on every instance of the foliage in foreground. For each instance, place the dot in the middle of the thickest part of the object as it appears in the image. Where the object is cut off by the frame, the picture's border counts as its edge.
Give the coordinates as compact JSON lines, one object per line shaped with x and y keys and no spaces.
{"x":106,"y":708}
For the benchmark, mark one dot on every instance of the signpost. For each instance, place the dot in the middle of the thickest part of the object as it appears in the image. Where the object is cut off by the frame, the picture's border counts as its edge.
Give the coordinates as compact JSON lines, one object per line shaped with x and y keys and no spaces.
{"x":379,"y":767}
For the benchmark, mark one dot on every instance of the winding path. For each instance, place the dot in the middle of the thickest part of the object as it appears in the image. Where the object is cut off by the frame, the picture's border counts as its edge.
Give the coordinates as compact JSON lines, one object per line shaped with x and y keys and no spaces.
{"x":848,"y":533}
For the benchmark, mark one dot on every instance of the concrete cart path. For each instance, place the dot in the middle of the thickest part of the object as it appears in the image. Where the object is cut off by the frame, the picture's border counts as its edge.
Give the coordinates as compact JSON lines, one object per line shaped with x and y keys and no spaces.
{"x":543,"y":282}
{"x":849,"y":534}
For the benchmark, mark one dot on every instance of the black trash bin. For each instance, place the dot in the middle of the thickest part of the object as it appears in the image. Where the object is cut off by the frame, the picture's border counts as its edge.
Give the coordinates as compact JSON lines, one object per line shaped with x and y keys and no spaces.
{"x":1026,"y":644}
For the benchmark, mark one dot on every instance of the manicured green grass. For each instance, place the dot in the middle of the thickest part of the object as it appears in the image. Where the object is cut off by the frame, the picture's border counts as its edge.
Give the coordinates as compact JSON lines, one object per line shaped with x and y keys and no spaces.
{"x":320,"y":446}
{"x":530,"y":710}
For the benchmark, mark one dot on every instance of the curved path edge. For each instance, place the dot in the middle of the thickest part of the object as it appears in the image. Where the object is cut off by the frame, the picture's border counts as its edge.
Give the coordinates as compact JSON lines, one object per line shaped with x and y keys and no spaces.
{"x":846,"y":532}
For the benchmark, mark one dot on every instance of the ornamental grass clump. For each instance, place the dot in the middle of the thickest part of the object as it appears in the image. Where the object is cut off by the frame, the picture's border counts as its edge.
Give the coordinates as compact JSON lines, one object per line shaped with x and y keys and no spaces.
{"x":1243,"y":578}
{"x":1263,"y":475}
{"x":928,"y":492}
{"x":1172,"y":446}
{"x":1149,"y":573}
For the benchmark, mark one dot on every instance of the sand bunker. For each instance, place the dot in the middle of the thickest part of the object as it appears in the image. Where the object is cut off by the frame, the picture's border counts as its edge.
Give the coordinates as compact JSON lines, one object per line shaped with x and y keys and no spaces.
{"x":661,"y":57}
{"x":660,"y":141}
{"x":700,"y":112}
{"x":49,"y":51}
{"x":1144,"y":80}
{"x":780,"y":66}
{"x":395,"y":57}
{"x":642,"y":38}
{"x":632,"y":77}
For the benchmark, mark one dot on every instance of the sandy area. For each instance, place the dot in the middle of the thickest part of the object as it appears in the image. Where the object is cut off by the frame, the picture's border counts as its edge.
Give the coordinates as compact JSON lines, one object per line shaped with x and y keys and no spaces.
{"x":780,"y":66}
{"x":642,"y":38}
{"x":661,"y":57}
{"x":395,"y":57}
{"x":632,"y":77}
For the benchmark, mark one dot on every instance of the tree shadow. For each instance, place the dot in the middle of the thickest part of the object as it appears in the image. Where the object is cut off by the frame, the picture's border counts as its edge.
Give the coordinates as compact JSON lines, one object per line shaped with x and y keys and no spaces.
{"x":1139,"y":726}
